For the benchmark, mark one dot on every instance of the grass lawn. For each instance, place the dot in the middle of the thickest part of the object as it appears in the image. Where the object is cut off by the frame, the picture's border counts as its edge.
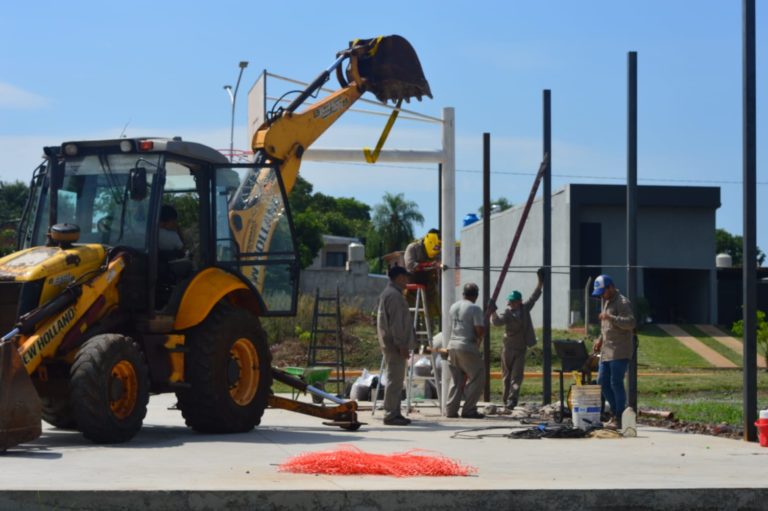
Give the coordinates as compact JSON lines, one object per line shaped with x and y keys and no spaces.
{"x":714,"y":344}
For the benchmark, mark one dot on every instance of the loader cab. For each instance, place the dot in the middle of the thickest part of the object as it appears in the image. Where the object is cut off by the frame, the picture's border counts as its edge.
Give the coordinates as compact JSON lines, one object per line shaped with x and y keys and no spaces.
{"x":231,"y":216}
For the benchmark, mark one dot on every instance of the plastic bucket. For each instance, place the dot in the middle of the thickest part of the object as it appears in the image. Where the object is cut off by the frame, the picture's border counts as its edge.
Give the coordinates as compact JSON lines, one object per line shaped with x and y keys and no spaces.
{"x":762,"y":431}
{"x":586,"y":406}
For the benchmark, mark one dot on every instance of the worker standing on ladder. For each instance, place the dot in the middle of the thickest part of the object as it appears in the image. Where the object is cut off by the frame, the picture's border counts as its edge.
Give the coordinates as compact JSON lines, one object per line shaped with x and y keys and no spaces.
{"x":518,"y":337}
{"x":396,"y":338}
{"x":422,"y":260}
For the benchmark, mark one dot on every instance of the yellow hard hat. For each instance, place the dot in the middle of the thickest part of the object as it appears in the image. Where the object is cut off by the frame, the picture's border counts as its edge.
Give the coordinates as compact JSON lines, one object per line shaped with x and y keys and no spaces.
{"x":432,"y":243}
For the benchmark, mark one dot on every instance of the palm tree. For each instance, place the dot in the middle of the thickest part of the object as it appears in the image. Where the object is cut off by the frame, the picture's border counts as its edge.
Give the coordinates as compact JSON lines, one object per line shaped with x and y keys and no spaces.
{"x":393,"y":220}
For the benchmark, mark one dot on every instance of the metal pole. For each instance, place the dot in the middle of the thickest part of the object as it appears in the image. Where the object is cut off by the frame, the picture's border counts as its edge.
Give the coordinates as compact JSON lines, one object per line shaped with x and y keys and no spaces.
{"x":439,"y":197}
{"x":233,"y":99}
{"x":750,"y":218}
{"x":632,"y":215}
{"x":487,"y":258}
{"x":448,"y":215}
{"x":547,"y":252}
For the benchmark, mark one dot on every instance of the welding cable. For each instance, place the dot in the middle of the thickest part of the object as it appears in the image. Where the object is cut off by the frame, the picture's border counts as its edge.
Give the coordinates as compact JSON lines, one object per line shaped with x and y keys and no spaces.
{"x":466,"y":434}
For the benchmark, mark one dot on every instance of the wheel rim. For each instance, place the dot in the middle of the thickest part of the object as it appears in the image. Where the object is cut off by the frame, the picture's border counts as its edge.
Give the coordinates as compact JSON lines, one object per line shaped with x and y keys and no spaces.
{"x":245,"y":384}
{"x":123,"y":389}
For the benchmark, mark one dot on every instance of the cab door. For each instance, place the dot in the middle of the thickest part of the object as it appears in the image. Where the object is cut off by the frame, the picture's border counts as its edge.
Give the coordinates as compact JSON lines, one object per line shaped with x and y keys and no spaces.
{"x":254,"y":233}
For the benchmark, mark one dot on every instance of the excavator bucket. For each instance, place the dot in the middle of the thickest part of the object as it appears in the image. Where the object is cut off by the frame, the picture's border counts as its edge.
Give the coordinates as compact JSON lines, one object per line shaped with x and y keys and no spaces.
{"x":20,"y":408}
{"x":390,"y":69}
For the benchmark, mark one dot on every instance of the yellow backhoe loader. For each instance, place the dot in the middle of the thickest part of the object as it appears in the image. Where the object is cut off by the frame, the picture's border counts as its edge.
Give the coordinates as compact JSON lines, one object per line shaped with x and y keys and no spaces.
{"x":100,"y":312}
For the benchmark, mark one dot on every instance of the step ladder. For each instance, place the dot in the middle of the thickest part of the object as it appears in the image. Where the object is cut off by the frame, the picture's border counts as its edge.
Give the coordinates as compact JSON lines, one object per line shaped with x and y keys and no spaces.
{"x":422,"y":326}
{"x":326,"y":345}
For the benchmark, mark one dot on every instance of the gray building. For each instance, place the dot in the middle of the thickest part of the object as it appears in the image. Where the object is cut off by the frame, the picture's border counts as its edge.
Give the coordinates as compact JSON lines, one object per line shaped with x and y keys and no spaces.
{"x":676,"y":249}
{"x":341,"y":263}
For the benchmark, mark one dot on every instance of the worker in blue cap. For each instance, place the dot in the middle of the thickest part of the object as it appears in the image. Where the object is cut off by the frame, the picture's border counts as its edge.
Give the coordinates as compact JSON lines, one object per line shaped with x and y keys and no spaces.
{"x":518,"y":337}
{"x":617,"y":322}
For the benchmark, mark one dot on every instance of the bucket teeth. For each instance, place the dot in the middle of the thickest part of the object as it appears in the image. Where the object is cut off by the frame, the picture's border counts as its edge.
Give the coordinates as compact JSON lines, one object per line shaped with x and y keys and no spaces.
{"x":391,"y":69}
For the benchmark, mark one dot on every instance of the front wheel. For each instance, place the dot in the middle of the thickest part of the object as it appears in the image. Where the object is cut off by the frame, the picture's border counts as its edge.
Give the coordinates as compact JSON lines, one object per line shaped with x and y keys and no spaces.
{"x":229,"y":369}
{"x":109,"y":388}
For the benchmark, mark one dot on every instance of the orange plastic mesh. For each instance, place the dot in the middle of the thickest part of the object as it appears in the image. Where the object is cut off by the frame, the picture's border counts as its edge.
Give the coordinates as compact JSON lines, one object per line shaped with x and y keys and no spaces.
{"x":349,"y":460}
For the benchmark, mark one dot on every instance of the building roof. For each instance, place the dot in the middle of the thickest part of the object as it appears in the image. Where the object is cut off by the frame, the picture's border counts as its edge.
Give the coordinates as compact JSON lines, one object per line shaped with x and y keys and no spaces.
{"x":330,"y":239}
{"x":647,"y":195}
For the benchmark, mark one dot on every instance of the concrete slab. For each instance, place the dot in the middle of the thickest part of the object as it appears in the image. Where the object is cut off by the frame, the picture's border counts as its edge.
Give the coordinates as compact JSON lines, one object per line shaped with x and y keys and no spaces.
{"x":168,"y":466}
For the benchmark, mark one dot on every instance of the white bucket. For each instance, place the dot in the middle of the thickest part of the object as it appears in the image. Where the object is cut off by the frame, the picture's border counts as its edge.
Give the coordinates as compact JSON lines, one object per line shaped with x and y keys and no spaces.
{"x":586,"y":406}
{"x":764,"y":414}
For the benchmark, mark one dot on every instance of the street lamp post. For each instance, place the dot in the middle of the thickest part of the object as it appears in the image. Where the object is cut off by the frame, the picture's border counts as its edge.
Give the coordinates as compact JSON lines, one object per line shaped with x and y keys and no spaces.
{"x":232,"y":99}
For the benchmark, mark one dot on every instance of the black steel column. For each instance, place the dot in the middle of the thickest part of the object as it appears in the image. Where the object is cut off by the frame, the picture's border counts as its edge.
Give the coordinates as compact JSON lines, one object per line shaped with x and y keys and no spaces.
{"x":750,"y":219}
{"x":632,"y":215}
{"x":546,"y":301}
{"x":487,"y":259}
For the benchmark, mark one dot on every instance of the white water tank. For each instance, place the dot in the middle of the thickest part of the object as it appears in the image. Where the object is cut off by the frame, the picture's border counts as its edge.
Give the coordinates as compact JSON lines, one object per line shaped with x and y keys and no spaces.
{"x":355,"y":252}
{"x":723,"y":261}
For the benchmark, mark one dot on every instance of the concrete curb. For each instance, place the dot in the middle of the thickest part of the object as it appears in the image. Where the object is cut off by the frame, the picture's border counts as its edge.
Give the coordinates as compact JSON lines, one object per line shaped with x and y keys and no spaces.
{"x":679,"y":499}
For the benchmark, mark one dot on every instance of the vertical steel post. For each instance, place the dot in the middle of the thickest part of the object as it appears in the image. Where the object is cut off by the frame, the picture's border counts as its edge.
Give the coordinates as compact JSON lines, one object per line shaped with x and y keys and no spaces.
{"x":632,"y":215}
{"x":439,"y":197}
{"x":448,"y":216}
{"x":487,"y":259}
{"x":547,"y":252}
{"x":750,"y":218}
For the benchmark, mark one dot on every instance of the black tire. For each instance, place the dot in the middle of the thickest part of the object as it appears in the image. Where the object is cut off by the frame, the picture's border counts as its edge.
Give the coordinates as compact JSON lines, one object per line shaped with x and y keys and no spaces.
{"x":57,"y":411}
{"x":110,"y":388}
{"x":318,"y":400}
{"x":225,"y":396}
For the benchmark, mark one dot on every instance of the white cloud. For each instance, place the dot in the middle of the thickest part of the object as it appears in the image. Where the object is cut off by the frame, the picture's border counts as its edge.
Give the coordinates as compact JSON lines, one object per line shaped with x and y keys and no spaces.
{"x":12,"y":97}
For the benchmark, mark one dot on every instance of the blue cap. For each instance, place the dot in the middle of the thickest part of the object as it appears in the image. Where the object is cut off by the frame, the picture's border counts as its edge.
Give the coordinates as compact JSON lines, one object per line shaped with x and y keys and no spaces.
{"x":601,"y":283}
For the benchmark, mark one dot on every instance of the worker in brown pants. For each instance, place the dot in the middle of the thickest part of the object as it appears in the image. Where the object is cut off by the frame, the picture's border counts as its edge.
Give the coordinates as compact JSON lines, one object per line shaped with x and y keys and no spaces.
{"x":518,"y":336}
{"x":394,"y":326}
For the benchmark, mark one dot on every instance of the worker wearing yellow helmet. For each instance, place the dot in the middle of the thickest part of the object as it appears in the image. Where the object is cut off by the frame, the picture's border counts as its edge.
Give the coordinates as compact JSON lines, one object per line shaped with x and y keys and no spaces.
{"x":422,"y":260}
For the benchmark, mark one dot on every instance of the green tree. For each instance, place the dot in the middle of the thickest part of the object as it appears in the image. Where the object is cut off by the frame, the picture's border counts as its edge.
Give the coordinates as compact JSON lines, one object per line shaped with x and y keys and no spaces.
{"x":393,"y":220}
{"x":497,"y":205}
{"x":315,"y":214}
{"x":762,"y":333}
{"x":733,"y":245}
{"x":309,"y":231}
{"x":13,"y":197}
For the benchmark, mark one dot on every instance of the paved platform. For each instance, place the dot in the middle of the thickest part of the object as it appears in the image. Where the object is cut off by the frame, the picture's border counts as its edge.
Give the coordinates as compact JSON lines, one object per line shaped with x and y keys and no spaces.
{"x":168,"y":466}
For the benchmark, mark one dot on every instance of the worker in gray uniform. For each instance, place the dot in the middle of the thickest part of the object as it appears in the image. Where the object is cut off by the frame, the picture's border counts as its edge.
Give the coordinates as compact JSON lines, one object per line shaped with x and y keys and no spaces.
{"x":394,"y":326}
{"x":422,"y":260}
{"x":467,"y":323}
{"x":518,"y":337}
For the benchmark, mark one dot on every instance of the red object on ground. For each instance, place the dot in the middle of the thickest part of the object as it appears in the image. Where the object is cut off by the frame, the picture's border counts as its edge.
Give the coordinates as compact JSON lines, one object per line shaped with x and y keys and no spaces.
{"x":762,"y":430}
{"x":349,"y":460}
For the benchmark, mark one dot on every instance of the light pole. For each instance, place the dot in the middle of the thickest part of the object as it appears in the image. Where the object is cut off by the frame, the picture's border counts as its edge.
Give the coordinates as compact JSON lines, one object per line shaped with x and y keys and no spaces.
{"x":232,"y":99}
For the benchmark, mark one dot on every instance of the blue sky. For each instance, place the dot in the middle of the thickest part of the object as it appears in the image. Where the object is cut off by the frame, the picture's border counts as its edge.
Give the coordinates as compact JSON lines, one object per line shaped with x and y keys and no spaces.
{"x":82,"y":69}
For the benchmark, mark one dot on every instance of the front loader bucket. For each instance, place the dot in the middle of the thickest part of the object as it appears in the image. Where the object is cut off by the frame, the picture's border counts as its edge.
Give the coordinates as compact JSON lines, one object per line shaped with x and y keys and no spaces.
{"x":20,"y":408}
{"x":390,"y":69}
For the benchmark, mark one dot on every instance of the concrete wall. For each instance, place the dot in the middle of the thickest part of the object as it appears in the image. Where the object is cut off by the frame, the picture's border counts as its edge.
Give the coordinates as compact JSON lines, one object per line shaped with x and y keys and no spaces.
{"x":355,"y":287}
{"x":528,"y":256}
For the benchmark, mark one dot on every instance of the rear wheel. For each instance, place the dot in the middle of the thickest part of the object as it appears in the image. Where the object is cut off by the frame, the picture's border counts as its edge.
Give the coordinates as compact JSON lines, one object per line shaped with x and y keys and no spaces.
{"x":110,"y":388}
{"x":228,"y":368}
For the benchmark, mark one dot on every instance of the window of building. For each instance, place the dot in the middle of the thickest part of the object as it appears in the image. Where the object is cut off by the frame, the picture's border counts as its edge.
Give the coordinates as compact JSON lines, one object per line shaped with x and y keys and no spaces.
{"x":336,"y":259}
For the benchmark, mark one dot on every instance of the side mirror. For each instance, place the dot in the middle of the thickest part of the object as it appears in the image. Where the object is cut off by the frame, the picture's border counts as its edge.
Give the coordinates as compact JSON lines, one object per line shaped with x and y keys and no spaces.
{"x":137,"y":183}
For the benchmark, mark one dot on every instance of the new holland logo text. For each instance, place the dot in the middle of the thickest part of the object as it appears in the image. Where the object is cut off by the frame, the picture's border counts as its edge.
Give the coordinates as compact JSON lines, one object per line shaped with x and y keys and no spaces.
{"x":42,"y":341}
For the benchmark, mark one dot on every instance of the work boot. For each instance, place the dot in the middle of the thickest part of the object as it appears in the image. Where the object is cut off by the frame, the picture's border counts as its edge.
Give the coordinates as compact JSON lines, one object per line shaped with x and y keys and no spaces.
{"x":397,"y":421}
{"x":473,"y":415}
